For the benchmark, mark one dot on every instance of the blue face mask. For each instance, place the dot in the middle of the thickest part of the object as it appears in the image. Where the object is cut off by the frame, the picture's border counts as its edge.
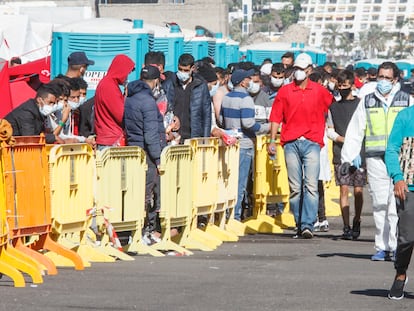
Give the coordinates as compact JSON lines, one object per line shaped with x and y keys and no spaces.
{"x":384,"y":86}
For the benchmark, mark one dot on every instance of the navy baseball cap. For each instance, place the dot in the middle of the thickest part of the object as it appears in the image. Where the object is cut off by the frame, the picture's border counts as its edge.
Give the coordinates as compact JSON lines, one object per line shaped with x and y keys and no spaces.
{"x":79,"y":58}
{"x":239,"y":75}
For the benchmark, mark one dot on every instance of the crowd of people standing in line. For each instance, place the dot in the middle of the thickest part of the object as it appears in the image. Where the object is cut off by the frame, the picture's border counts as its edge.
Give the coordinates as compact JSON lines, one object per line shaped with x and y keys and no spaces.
{"x":363,"y":112}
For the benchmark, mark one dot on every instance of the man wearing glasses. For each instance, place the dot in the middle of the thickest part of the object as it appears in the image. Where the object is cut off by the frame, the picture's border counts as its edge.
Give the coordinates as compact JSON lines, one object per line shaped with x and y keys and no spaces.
{"x":373,"y":120}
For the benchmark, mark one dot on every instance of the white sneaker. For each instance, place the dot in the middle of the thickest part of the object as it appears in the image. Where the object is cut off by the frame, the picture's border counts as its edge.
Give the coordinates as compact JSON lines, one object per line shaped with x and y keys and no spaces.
{"x":317,"y":226}
{"x":324,"y":226}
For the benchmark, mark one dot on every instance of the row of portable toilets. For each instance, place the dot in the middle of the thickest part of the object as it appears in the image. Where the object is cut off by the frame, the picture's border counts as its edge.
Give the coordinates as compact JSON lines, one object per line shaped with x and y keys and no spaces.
{"x":63,"y":205}
{"x":103,"y":38}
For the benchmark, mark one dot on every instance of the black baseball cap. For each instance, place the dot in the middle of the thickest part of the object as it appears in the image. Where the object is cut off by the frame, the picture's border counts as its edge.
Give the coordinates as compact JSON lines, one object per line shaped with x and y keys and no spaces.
{"x":150,"y":72}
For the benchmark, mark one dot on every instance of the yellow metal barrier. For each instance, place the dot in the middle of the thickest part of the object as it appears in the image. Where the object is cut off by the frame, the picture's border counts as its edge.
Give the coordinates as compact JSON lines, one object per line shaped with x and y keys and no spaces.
{"x":205,"y":188}
{"x":72,"y":172}
{"x":176,"y":199}
{"x":9,"y":265}
{"x":228,"y":174}
{"x":28,"y":202}
{"x":120,"y":193}
{"x":270,"y":185}
{"x":332,"y":190}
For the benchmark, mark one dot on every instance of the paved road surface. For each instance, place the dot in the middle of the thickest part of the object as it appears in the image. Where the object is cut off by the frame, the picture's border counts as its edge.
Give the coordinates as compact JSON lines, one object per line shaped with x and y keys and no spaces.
{"x":260,"y":272}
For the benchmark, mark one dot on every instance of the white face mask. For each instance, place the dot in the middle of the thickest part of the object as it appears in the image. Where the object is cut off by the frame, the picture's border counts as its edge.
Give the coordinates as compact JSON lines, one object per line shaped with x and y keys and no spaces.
{"x":300,"y":75}
{"x":156,"y":91}
{"x":73,"y":105}
{"x":331,"y":85}
{"x":183,"y":76}
{"x":214,"y":89}
{"x":277,"y":82}
{"x":46,"y":110}
{"x":82,"y":100}
{"x":60,"y":104}
{"x":253,"y":88}
{"x":230,"y":85}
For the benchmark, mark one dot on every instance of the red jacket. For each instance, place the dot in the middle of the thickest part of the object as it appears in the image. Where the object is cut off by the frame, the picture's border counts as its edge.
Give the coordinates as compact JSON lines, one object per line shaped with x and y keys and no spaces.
{"x":109,"y":102}
{"x":301,"y":112}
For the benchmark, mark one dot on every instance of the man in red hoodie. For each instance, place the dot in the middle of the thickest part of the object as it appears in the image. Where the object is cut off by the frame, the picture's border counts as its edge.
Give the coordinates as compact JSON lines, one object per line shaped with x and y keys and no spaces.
{"x":109,"y":103}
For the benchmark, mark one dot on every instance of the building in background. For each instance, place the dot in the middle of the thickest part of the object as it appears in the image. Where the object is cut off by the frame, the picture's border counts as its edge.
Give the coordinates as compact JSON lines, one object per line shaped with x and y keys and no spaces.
{"x":211,"y":14}
{"x":354,"y":16}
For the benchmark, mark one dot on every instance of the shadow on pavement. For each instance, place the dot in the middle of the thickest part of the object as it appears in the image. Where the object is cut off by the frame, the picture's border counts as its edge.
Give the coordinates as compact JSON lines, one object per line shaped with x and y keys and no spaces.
{"x":378,"y":293}
{"x":347,"y":255}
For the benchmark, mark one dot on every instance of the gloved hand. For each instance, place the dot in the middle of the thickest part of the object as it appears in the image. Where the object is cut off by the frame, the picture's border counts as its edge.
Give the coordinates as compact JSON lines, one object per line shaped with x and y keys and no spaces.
{"x":344,"y":168}
{"x":357,"y":162}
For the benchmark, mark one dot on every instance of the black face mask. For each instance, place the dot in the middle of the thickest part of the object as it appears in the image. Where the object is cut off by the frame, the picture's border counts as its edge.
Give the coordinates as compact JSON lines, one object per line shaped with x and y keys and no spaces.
{"x":344,"y":93}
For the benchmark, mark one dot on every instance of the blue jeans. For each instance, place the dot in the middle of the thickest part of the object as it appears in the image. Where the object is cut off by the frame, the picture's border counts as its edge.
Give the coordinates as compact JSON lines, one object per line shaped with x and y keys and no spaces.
{"x":246,"y":160}
{"x":302,"y":163}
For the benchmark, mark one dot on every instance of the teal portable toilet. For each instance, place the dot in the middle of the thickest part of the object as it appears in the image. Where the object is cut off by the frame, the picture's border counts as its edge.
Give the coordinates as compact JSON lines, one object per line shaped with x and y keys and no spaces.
{"x":169,"y":40}
{"x":406,"y":65}
{"x":369,"y":62}
{"x":101,"y":39}
{"x":197,"y":45}
{"x":217,"y":50}
{"x":257,"y":53}
{"x":232,"y":52}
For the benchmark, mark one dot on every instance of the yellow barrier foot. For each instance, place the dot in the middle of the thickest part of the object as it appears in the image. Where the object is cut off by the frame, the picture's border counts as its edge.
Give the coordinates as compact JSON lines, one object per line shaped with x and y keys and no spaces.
{"x":143,"y":249}
{"x":167,"y":245}
{"x":42,"y":259}
{"x":61,"y":261}
{"x":197,"y":237}
{"x":285,"y":220}
{"x":238,"y":227}
{"x":55,"y":247}
{"x":221,"y":233}
{"x":11,"y":271}
{"x":263,"y":224}
{"x":194,"y":244}
{"x":23,"y":263}
{"x":93,"y":254}
{"x":113,"y":252}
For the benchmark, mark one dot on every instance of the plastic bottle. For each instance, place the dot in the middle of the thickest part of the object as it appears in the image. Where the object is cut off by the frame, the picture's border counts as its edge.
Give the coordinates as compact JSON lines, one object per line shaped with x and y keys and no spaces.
{"x":272,"y":156}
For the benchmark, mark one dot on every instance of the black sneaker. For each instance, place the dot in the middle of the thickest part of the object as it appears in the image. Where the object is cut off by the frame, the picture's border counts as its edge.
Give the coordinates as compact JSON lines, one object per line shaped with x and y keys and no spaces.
{"x":356,"y":229}
{"x":347,"y":233}
{"x":397,"y":290}
{"x":307,"y":234}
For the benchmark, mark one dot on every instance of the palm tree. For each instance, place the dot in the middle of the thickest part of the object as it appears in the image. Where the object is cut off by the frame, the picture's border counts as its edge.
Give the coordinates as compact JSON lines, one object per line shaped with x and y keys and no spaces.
{"x":332,"y":37}
{"x":346,"y":45}
{"x":402,"y":39}
{"x":373,"y":40}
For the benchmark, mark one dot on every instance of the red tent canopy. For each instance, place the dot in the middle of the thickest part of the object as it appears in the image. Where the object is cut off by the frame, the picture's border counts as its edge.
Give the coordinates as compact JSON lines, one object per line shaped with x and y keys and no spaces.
{"x":16,"y":91}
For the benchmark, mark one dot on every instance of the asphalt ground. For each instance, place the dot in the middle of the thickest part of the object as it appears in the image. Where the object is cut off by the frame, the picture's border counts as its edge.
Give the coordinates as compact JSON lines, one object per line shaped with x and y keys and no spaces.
{"x":259,"y":272}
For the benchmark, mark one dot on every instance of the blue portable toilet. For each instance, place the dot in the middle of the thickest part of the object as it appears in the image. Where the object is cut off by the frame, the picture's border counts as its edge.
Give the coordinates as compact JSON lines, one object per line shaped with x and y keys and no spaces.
{"x":169,"y":40}
{"x":218,"y":49}
{"x":406,"y":65}
{"x":197,"y":45}
{"x":101,"y":39}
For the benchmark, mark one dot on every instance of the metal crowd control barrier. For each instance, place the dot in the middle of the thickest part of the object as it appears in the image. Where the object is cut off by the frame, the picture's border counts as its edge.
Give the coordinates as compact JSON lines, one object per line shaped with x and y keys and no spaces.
{"x":72,"y":173}
{"x":176,"y":199}
{"x":332,"y":190}
{"x":9,"y":265}
{"x":28,"y":201}
{"x":270,"y":185}
{"x":205,"y":187}
{"x":228,"y":174}
{"x":120,"y":194}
